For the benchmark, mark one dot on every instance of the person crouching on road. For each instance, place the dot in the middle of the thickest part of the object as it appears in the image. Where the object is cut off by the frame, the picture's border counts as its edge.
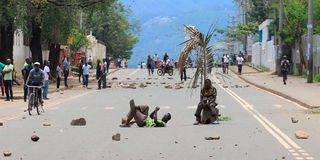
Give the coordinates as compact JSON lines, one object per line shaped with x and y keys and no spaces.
{"x":140,"y":116}
{"x":207,"y":104}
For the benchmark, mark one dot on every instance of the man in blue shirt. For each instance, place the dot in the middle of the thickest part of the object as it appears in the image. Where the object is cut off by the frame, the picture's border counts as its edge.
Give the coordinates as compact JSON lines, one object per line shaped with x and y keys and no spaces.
{"x":36,"y":78}
{"x":1,"y":78}
{"x":66,"y":66}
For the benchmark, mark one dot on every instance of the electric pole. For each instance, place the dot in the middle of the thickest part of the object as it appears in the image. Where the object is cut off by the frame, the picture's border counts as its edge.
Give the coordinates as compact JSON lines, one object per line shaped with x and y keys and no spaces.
{"x":279,"y":54}
{"x":310,"y":42}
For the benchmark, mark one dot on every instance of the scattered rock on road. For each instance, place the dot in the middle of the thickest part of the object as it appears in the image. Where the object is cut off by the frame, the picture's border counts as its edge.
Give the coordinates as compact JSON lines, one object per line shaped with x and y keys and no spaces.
{"x":175,"y":142}
{"x":78,"y":122}
{"x":114,"y":78}
{"x":148,"y":82}
{"x":294,"y":120}
{"x":212,"y":138}
{"x":23,"y":117}
{"x":170,"y":78}
{"x":178,"y":87}
{"x":7,"y":153}
{"x":46,"y":124}
{"x":142,"y":85}
{"x":116,"y":137}
{"x":35,"y":138}
{"x":301,"y":135}
{"x":168,"y":86}
{"x":1,"y":123}
{"x":163,"y":83}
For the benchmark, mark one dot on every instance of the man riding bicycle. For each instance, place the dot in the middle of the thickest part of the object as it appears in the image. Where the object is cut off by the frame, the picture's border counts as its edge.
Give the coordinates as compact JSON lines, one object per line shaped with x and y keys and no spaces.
{"x":36,"y":78}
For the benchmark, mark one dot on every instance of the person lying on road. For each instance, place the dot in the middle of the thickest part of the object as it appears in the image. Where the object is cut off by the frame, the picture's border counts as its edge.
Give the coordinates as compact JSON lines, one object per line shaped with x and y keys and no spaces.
{"x":140,"y":116}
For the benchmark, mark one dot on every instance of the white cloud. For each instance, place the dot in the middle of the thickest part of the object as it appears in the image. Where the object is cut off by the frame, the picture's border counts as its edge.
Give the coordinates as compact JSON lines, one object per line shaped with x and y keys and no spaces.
{"x":159,"y":20}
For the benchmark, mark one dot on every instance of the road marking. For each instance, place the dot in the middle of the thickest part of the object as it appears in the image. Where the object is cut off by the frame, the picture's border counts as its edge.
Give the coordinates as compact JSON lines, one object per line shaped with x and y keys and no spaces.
{"x":298,"y":105}
{"x":48,"y":107}
{"x":165,"y":107}
{"x":109,"y":108}
{"x":310,"y":158}
{"x":84,"y":108}
{"x":299,"y":158}
{"x":282,"y":138}
{"x":277,"y":106}
{"x":192,"y":107}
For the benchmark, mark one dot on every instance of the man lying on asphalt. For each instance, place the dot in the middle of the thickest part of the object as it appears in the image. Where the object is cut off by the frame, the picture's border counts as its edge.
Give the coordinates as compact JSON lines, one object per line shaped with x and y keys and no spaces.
{"x":207,"y":105}
{"x":140,"y":116}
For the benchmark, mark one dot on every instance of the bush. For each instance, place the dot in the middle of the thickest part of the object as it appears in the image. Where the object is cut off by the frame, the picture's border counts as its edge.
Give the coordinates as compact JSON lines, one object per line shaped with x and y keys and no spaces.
{"x":317,"y":78}
{"x":295,"y":72}
{"x":263,"y":68}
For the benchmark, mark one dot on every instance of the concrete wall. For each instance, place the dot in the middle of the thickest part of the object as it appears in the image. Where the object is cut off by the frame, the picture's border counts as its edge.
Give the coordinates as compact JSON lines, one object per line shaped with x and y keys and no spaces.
{"x":95,"y":49}
{"x":21,"y":51}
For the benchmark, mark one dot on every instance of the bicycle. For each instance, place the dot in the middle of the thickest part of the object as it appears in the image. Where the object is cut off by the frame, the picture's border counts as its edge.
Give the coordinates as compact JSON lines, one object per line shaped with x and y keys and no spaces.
{"x":33,"y":100}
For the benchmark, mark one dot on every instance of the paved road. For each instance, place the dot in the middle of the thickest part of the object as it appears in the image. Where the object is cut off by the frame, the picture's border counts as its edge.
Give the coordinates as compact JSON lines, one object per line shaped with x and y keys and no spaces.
{"x":260,"y":125}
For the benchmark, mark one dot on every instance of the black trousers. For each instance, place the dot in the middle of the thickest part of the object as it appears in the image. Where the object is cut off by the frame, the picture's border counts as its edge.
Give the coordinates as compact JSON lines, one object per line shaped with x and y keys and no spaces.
{"x":183,"y":75}
{"x":8,"y":89}
{"x":58,"y":82}
{"x":104,"y":81}
{"x":239,"y":68}
{"x":66,"y":75}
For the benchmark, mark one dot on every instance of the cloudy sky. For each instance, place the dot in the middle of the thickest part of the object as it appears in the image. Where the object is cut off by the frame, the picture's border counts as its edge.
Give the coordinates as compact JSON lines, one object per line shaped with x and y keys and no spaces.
{"x":162,"y":22}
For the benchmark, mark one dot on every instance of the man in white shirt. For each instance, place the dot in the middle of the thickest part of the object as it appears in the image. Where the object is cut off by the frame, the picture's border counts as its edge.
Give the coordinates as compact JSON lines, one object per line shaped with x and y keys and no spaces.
{"x":240,"y":63}
{"x":226,"y":63}
{"x":86,"y":71}
{"x":46,"y":71}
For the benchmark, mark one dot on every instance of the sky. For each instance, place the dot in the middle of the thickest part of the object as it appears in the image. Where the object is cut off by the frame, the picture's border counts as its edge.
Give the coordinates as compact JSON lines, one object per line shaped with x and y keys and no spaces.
{"x":162,"y":23}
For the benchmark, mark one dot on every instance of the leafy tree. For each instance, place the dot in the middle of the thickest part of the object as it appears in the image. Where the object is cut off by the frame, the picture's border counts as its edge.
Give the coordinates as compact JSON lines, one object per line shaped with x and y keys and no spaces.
{"x":78,"y":40}
{"x":112,"y":25}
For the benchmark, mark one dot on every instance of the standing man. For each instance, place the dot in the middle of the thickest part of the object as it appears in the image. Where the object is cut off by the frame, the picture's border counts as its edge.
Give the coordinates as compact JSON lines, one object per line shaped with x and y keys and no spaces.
{"x":80,"y":69}
{"x":183,"y":72}
{"x":165,"y":58}
{"x":66,"y":66}
{"x":99,"y":73}
{"x":240,"y":63}
{"x":59,"y":75}
{"x":8,"y":72}
{"x":25,"y":73}
{"x":108,"y":64}
{"x":46,"y":71}
{"x":86,"y":71}
{"x":1,"y":78}
{"x":285,"y":69}
{"x":104,"y":74}
{"x":149,"y":65}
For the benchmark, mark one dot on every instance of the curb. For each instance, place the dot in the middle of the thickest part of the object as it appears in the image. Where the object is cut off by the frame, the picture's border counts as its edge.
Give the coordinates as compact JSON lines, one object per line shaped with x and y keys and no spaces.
{"x":276,"y":92}
{"x":53,"y":91}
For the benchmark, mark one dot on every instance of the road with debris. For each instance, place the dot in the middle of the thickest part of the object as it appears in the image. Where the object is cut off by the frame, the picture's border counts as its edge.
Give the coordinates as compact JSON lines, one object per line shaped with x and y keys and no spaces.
{"x":254,"y":125}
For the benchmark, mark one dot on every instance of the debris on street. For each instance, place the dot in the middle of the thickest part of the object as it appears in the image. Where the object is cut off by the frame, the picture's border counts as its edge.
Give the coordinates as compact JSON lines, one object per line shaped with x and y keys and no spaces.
{"x":35,"y":138}
{"x":301,"y":135}
{"x":116,"y":137}
{"x":78,"y":122}
{"x":7,"y":153}
{"x":212,"y":138}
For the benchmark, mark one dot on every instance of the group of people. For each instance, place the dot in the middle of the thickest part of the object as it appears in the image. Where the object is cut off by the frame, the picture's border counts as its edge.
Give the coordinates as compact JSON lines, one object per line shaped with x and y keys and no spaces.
{"x":206,"y":112}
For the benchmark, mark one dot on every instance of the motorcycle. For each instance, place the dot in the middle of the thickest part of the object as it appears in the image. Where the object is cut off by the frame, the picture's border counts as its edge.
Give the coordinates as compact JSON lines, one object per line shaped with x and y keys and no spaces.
{"x":165,"y":69}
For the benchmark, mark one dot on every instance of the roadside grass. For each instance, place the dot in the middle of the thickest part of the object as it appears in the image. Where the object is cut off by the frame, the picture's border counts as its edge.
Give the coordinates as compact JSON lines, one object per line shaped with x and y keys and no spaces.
{"x":313,"y":111}
{"x":226,"y":118}
{"x":263,"y":68}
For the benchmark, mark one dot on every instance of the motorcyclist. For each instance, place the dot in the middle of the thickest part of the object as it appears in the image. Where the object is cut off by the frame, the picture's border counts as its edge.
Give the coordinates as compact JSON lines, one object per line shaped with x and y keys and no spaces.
{"x":36,"y":78}
{"x":207,"y":103}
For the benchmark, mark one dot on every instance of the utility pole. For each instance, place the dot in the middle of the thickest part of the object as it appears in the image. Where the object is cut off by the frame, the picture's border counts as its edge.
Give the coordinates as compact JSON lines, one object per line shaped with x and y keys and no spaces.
{"x":310,"y":42}
{"x":279,"y":50}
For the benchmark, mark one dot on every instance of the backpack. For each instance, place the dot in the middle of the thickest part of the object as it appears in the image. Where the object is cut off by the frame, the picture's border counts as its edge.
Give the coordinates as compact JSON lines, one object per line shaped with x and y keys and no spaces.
{"x":285,"y":65}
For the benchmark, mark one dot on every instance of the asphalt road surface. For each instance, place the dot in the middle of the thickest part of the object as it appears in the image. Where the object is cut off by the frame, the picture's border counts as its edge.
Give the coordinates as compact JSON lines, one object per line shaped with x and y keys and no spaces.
{"x":257,"y":126}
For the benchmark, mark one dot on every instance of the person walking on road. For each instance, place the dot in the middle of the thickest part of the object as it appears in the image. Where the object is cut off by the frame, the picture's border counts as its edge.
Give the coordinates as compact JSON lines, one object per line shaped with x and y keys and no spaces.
{"x":99,"y":73}
{"x":47,"y":75}
{"x":285,"y":65}
{"x":59,"y":74}
{"x":104,"y":73}
{"x":86,"y":71}
{"x":80,"y":70}
{"x":226,"y":63}
{"x":8,"y":79}
{"x":25,"y":73}
{"x":149,"y":65}
{"x":183,"y":72}
{"x":240,"y":63}
{"x":1,"y":78}
{"x":66,"y":67}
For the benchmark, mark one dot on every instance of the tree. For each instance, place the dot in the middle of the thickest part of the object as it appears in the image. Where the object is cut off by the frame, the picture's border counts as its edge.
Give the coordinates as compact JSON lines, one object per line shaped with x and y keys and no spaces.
{"x":200,"y":42}
{"x":78,"y":40}
{"x":112,"y":24}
